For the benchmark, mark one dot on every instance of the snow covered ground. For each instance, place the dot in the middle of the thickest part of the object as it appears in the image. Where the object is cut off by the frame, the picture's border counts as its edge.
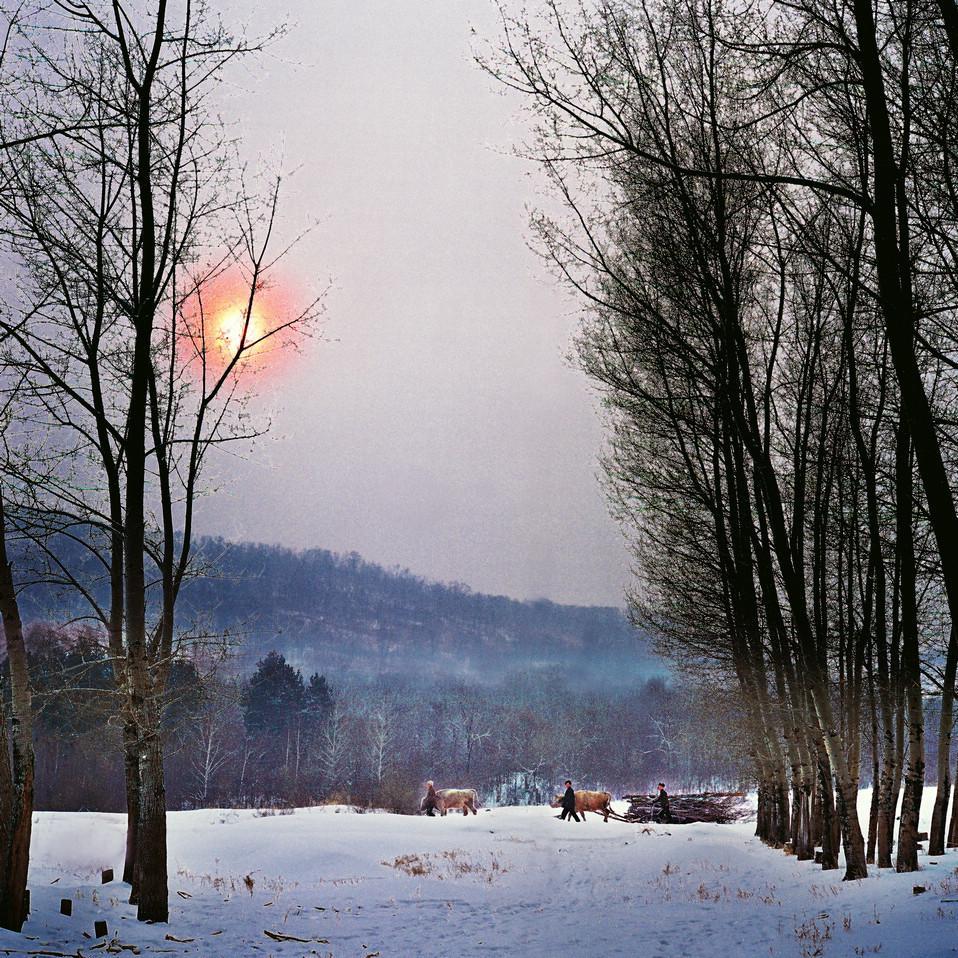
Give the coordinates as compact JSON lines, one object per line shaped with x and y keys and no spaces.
{"x":510,"y":881}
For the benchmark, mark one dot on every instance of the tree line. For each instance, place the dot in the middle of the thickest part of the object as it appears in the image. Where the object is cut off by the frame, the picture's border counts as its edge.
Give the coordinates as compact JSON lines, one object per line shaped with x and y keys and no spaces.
{"x":277,"y":738}
{"x":757,"y":209}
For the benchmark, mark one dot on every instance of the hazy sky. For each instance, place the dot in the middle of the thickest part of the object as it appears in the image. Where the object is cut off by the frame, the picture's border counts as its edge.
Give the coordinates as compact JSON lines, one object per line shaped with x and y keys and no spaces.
{"x":440,"y":428}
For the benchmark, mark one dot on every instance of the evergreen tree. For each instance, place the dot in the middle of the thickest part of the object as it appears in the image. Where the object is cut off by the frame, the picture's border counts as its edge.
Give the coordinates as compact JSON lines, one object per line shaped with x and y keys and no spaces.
{"x":275,"y":696}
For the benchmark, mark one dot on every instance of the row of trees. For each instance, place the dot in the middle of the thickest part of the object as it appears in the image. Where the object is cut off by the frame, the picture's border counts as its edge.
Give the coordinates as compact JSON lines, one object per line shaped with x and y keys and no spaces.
{"x":128,"y":230}
{"x":763,"y":231}
{"x":374,"y":742}
{"x":277,"y":738}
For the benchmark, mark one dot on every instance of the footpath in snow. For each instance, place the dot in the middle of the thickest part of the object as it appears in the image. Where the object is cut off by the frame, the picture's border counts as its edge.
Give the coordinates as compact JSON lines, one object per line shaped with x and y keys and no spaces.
{"x":510,"y":881}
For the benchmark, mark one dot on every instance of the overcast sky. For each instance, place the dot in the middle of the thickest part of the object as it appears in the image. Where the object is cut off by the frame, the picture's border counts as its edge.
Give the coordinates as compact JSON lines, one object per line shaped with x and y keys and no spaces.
{"x":440,"y":426}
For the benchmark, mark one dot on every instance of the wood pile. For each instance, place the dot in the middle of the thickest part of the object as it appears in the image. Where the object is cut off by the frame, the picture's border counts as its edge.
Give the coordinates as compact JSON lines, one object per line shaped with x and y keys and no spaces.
{"x":719,"y":807}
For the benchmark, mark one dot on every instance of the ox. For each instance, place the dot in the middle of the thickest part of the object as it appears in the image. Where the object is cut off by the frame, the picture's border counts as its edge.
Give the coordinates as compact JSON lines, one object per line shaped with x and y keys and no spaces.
{"x":452,"y":798}
{"x":598,"y":802}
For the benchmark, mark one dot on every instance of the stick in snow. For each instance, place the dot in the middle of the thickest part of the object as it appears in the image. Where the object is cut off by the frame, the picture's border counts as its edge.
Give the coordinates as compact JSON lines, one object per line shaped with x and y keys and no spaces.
{"x":276,"y":936}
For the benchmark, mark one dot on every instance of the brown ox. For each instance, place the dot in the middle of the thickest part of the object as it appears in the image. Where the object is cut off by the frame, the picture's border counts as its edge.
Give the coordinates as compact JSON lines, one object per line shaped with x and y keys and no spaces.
{"x":452,"y":798}
{"x":598,"y":802}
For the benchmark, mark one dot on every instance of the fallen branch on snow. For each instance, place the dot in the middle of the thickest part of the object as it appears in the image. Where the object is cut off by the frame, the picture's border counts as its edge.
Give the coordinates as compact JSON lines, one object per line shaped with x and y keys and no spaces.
{"x":277,"y":936}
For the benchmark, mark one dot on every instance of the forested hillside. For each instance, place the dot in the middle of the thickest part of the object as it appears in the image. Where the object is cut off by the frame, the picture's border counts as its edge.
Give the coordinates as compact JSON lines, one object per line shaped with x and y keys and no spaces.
{"x":338,"y":614}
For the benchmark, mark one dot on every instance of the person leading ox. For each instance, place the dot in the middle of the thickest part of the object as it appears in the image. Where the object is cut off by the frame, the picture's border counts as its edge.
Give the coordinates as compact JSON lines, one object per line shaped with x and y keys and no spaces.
{"x":568,"y":803}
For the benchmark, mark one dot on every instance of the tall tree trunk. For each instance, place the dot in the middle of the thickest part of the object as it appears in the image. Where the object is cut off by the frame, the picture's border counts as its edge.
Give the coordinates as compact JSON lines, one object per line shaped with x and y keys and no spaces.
{"x":17,"y":777}
{"x":910,"y":662}
{"x":872,"y":842}
{"x":887,"y":801}
{"x":953,"y":824}
{"x":761,"y":812}
{"x":936,"y":834}
{"x":151,"y":878}
{"x":800,"y":828}
{"x":131,"y":774}
{"x":907,"y":860}
{"x":150,"y":875}
{"x":829,"y":818}
{"x":884,"y":797}
{"x":816,"y":826}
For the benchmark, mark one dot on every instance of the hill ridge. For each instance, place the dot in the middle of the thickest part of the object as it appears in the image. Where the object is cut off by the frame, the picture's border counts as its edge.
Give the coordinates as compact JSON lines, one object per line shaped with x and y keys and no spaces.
{"x":338,"y":613}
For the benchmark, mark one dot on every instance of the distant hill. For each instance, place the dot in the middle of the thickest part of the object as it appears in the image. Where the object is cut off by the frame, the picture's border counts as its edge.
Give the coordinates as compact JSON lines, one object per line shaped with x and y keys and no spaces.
{"x":338,"y":614}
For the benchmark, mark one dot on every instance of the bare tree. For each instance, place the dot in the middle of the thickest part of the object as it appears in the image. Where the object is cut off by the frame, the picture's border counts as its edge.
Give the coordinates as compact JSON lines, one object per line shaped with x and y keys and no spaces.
{"x":334,"y":749}
{"x":211,"y":747}
{"x":134,"y":376}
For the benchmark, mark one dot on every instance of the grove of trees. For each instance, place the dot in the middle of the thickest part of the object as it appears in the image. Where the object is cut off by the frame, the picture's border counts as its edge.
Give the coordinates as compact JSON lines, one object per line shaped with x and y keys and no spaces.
{"x":278,"y":739}
{"x":758,"y":210}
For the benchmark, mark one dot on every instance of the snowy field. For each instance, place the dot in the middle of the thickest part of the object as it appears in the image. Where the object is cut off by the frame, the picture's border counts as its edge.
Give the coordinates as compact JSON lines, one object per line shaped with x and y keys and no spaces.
{"x":510,"y":881}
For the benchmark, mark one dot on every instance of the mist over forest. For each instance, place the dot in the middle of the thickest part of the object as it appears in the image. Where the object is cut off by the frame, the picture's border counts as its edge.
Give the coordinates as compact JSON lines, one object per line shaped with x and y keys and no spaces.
{"x":315,"y":677}
{"x":342,"y":615}
{"x":283,"y":738}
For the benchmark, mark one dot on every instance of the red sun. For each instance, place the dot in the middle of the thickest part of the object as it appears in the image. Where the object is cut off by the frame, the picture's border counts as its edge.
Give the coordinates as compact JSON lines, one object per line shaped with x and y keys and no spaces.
{"x":227,"y":331}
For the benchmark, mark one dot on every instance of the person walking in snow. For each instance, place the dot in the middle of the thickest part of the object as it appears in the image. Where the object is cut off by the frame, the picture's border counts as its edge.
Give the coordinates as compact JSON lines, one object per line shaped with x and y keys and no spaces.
{"x":430,"y":803}
{"x":568,"y":803}
{"x":661,"y":804}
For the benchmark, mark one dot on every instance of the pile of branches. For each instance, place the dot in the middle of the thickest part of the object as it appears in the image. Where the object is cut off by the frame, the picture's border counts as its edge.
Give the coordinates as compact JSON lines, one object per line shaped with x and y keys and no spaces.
{"x":719,"y":807}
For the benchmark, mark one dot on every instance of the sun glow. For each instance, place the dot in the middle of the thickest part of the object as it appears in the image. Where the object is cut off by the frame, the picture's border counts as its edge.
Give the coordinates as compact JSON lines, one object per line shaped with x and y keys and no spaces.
{"x":233,"y":332}
{"x":222,"y":332}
